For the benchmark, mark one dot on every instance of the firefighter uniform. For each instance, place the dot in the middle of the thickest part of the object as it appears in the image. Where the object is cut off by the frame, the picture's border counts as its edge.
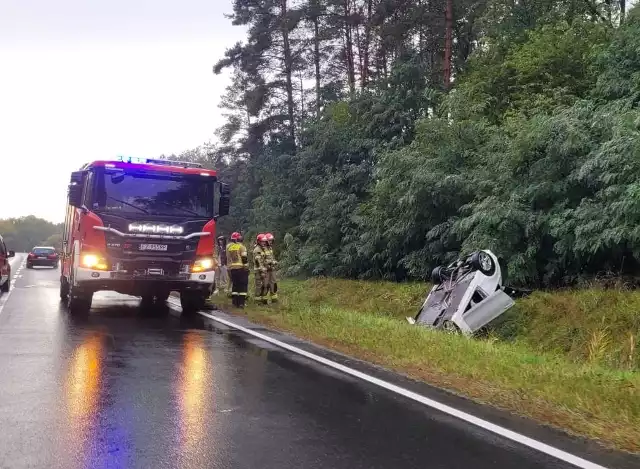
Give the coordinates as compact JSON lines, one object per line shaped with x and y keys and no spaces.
{"x":222,"y":275}
{"x":260,"y":271}
{"x":271,"y":280}
{"x":238,"y":271}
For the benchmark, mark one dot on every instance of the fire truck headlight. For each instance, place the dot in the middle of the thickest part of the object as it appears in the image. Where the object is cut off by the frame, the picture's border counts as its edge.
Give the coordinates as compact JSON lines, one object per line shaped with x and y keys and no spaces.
{"x":204,"y":264}
{"x":93,"y":261}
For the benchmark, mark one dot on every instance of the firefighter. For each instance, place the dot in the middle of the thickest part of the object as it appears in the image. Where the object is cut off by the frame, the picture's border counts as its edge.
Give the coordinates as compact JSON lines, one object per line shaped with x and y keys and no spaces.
{"x":260,"y":268}
{"x":237,"y":264}
{"x":222,"y":276}
{"x":272,"y":281}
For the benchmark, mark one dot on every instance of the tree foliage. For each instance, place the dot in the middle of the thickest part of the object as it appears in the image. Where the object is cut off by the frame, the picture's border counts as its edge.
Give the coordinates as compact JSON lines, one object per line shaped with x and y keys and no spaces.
{"x":343,"y":141}
{"x":22,"y":234}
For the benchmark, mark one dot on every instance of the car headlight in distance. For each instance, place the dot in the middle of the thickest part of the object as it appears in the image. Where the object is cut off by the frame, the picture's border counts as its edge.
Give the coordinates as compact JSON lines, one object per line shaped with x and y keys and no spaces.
{"x":93,"y":261}
{"x":203,"y":264}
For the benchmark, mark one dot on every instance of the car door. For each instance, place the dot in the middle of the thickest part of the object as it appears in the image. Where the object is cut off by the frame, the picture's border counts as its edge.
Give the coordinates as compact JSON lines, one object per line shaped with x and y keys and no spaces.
{"x":4,"y":262}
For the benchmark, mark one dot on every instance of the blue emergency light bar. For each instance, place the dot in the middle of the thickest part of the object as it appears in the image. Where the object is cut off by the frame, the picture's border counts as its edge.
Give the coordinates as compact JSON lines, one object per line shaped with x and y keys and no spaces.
{"x":138,"y":160}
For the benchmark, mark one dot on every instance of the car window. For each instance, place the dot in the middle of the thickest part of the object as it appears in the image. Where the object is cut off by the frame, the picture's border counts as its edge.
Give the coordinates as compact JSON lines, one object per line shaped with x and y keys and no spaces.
{"x":3,"y":248}
{"x":43,"y":251}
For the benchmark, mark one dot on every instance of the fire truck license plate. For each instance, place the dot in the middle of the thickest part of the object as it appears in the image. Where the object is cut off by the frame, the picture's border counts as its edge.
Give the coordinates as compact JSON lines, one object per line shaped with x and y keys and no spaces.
{"x":153,"y":247}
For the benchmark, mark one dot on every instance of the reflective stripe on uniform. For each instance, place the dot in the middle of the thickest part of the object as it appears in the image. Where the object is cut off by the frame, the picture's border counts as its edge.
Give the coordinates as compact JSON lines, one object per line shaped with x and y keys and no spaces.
{"x":235,"y":253}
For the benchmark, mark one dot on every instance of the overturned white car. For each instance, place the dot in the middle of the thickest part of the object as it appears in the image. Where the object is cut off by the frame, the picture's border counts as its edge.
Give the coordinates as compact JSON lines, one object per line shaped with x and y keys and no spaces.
{"x":466,"y":295}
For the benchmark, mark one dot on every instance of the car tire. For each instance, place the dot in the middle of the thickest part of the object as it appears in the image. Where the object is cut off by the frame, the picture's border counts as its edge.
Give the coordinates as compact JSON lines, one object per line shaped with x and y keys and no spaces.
{"x":192,"y":302}
{"x":6,"y":286}
{"x":450,"y":327}
{"x":438,"y":275}
{"x":483,"y":262}
{"x":29,"y":266}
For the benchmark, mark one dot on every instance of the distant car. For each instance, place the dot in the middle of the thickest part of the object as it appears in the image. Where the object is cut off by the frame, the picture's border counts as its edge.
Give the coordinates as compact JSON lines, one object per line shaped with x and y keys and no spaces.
{"x":43,"y":256}
{"x":5,"y":267}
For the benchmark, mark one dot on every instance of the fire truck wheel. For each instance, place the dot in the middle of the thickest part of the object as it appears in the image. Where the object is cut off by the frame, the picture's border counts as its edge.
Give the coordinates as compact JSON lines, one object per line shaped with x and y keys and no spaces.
{"x":162,"y":296}
{"x":191,"y":302}
{"x":79,"y":303}
{"x":147,"y":301}
{"x":79,"y":306}
{"x":64,"y":289}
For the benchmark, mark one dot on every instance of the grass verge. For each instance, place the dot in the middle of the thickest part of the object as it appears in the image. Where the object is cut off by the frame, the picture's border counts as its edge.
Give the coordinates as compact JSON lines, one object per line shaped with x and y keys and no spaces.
{"x":542,"y":361}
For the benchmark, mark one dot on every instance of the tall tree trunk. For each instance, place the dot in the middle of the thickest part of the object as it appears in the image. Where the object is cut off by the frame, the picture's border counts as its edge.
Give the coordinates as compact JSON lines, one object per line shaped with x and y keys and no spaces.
{"x":623,"y":10}
{"x":448,"y":43}
{"x":301,"y":99}
{"x":421,"y":35}
{"x":351,"y":73}
{"x":359,"y":46}
{"x":288,"y":66}
{"x":367,"y":45}
{"x":316,"y":60}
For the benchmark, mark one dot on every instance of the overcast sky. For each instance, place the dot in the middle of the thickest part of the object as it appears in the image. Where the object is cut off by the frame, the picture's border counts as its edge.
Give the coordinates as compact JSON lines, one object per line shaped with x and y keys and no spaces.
{"x":87,"y":79}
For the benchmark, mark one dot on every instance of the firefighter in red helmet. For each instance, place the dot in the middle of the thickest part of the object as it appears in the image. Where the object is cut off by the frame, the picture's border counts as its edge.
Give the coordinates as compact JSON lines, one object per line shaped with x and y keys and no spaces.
{"x":260,"y":268}
{"x":271,"y":263}
{"x":238,"y":261}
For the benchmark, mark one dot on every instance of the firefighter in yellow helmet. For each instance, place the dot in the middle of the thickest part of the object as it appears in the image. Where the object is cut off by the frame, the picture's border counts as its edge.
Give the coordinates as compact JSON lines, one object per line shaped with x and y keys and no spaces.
{"x":272,"y":281}
{"x":260,"y":268}
{"x":237,"y":264}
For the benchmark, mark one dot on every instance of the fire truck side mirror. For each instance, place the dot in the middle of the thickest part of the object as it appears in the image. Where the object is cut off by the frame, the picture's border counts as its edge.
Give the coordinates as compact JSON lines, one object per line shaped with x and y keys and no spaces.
{"x":225,"y":200}
{"x":75,"y":195}
{"x":76,"y":188}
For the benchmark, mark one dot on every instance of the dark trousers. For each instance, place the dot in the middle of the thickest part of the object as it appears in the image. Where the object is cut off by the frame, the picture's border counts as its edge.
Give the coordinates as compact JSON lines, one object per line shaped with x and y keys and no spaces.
{"x":239,"y":286}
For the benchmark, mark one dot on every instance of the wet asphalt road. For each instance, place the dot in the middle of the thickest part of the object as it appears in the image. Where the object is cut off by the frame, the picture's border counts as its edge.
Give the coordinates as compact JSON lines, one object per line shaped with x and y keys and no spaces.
{"x":128,"y":389}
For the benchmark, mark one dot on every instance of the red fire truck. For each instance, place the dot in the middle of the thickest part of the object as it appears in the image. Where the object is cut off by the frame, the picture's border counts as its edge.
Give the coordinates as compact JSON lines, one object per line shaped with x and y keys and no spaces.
{"x":141,"y":227}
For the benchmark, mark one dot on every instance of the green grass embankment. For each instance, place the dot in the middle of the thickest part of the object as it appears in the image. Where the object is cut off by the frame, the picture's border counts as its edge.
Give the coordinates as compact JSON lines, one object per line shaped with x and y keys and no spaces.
{"x":568,"y":358}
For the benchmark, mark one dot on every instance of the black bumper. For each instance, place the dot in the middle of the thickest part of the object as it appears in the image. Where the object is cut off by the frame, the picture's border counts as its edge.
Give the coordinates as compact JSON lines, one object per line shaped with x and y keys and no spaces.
{"x":42,"y":262}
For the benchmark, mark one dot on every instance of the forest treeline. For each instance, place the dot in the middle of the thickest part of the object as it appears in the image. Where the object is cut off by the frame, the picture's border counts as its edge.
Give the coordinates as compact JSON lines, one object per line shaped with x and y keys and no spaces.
{"x":22,"y":234}
{"x":375,"y":147}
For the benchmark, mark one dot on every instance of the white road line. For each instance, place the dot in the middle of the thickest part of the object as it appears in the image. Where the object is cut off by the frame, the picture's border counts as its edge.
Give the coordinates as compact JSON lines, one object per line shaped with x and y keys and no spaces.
{"x":484,"y":424}
{"x":4,"y":298}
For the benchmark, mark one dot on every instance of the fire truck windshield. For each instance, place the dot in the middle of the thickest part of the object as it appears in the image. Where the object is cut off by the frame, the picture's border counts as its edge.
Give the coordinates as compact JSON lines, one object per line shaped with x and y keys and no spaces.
{"x":154,"y":194}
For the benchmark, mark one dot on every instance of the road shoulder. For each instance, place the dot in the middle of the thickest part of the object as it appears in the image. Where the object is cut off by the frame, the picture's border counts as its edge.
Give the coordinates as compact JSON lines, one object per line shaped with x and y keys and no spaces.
{"x":587,"y":449}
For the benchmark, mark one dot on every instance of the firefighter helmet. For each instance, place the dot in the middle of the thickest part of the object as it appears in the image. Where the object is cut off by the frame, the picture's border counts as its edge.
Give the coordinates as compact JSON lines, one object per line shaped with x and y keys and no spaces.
{"x":269,"y":237}
{"x":261,"y":238}
{"x":235,"y":236}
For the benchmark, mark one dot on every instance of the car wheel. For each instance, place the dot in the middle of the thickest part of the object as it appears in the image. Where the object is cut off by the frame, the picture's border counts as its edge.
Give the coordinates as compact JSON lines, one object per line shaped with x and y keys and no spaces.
{"x":450,"y":327}
{"x":483,"y":262}
{"x":6,"y":286}
{"x":29,"y":266}
{"x":438,"y":275}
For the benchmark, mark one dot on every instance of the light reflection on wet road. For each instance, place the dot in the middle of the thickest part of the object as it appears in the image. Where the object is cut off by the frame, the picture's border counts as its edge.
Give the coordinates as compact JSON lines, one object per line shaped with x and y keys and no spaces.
{"x":126,"y":388}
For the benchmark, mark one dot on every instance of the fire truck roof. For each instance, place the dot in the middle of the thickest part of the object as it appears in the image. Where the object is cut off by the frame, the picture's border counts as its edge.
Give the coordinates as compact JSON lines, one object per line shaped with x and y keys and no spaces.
{"x":155,"y":164}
